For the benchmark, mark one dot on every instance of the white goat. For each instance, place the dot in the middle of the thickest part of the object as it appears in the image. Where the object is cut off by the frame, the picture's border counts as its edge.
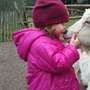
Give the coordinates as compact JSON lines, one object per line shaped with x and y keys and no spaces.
{"x":82,"y":26}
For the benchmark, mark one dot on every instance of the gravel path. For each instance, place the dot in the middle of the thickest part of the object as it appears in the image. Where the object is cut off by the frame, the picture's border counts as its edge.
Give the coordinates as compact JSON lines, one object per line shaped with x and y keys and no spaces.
{"x":11,"y":68}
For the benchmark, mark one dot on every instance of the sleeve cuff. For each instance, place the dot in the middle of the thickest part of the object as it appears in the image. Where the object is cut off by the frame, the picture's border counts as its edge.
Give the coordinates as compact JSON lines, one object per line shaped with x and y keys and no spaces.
{"x":75,"y":51}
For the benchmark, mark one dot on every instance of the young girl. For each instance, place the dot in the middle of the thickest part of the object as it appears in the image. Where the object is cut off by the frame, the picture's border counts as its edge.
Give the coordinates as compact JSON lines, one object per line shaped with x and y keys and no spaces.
{"x":49,"y":61}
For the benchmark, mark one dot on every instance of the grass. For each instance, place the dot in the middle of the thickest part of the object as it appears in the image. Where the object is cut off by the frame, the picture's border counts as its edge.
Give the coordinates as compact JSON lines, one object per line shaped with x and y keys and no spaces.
{"x":71,"y":22}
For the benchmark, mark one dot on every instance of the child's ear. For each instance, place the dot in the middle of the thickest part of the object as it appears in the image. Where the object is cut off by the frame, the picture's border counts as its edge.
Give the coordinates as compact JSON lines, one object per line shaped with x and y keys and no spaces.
{"x":87,"y":10}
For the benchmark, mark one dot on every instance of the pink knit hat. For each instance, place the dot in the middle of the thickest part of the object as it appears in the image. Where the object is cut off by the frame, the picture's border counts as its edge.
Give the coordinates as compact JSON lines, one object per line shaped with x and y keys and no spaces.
{"x":49,"y":12}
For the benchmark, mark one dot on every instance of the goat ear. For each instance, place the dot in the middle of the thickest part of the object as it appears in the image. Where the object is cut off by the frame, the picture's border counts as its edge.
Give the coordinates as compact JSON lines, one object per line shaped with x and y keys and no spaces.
{"x":86,"y":9}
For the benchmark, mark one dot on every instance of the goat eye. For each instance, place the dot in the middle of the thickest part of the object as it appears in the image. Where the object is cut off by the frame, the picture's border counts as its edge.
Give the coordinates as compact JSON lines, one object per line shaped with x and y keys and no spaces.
{"x":87,"y":22}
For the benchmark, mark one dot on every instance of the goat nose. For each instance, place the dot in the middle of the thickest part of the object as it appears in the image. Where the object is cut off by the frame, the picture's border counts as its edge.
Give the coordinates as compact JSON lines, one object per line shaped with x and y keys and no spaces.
{"x":67,"y":35}
{"x":65,"y":31}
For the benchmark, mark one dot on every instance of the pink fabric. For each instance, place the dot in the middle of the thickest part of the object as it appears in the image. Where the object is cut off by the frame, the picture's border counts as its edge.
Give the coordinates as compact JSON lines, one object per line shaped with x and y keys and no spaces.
{"x":49,"y":62}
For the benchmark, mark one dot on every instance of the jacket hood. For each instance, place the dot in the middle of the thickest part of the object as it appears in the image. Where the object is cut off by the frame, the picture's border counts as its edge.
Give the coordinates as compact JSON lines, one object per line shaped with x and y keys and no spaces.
{"x":24,"y":39}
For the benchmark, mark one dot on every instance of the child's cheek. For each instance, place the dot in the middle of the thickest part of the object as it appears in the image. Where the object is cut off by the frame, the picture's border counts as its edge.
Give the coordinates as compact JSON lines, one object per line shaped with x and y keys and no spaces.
{"x":57,"y":32}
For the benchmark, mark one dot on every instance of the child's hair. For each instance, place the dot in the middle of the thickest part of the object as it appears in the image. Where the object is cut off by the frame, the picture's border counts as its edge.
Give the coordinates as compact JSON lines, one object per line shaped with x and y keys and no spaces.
{"x":49,"y":12}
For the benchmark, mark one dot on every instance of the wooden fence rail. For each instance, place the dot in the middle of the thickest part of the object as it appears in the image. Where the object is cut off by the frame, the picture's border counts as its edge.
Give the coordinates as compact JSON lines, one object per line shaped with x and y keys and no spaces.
{"x":69,"y":6}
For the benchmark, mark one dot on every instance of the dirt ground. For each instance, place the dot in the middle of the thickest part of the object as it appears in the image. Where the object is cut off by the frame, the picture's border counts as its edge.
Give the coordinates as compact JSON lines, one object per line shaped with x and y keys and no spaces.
{"x":11,"y":68}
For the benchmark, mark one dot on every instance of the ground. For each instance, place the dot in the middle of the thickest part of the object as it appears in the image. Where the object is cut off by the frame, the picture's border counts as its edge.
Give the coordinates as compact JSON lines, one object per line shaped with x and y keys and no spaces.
{"x":12,"y":68}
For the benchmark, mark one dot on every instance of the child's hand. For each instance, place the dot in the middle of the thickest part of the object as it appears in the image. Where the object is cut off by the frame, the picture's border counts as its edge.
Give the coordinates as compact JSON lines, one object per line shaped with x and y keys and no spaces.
{"x":75,"y":41}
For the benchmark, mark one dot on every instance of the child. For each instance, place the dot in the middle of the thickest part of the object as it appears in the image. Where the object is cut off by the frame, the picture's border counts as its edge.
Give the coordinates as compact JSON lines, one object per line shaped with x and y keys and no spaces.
{"x":49,"y":61}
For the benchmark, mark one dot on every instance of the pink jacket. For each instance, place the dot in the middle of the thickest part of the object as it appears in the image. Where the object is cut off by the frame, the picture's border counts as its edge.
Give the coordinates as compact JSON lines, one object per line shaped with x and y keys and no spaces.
{"x":49,"y":62}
